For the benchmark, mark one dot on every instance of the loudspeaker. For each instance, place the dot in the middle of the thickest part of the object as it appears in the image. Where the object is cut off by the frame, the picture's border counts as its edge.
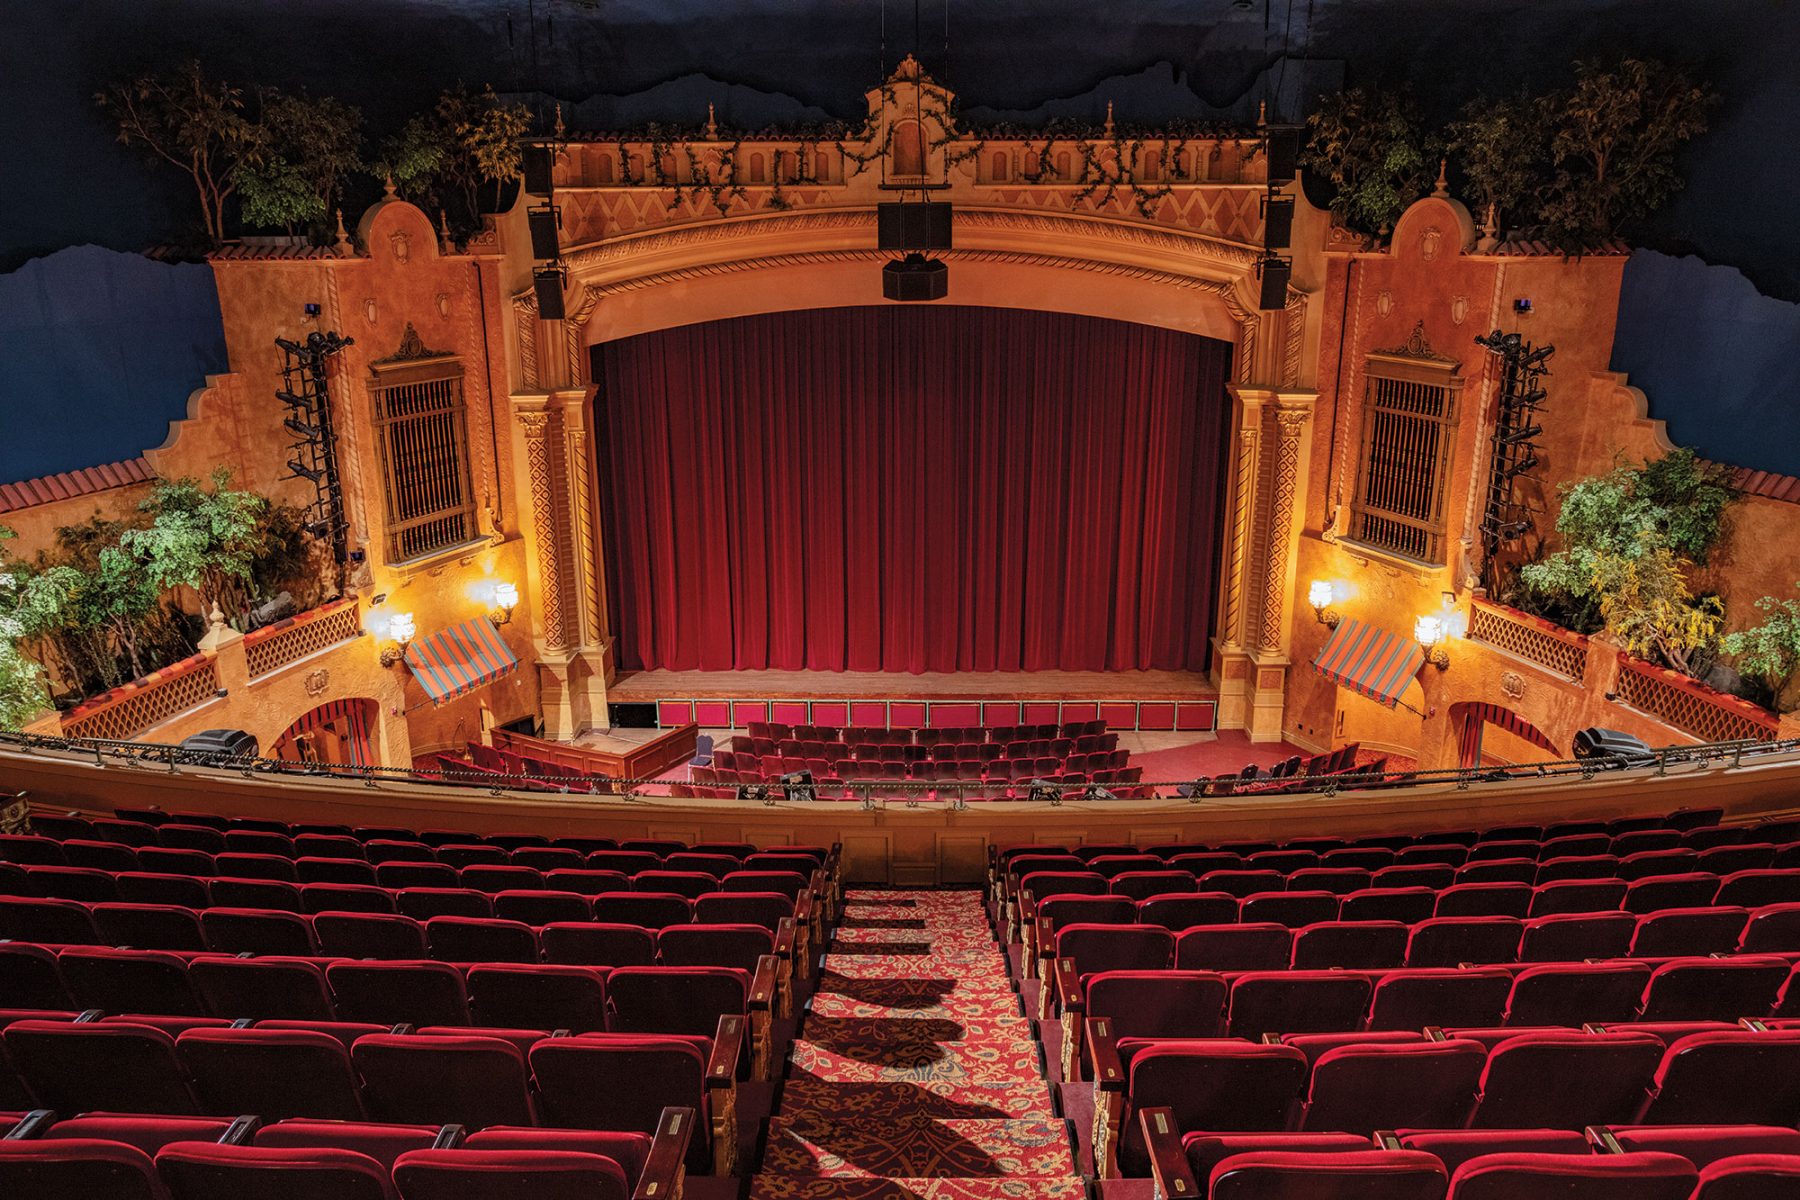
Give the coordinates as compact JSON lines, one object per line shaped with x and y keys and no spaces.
{"x":227,"y":743}
{"x":1278,"y":221}
{"x":1594,"y":742}
{"x":1284,"y":153}
{"x":544,"y":224}
{"x":537,"y":168}
{"x":903,"y":226}
{"x":1275,"y":273}
{"x":632,"y":716}
{"x":549,"y":286}
{"x":915,"y":277}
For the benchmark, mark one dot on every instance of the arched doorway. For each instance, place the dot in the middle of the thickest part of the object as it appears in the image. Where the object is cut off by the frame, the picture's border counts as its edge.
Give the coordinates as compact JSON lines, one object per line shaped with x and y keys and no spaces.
{"x":1474,"y":719}
{"x":336,"y":732}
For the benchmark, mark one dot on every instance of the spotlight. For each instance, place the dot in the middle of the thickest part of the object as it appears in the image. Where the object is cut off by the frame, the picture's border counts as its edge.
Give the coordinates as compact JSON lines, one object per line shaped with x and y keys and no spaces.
{"x":915,"y":277}
{"x":300,"y":429}
{"x":1594,"y":742}
{"x":1094,"y":791}
{"x":1523,"y":465}
{"x":305,"y":472}
{"x":1521,"y":435}
{"x":1536,"y":358}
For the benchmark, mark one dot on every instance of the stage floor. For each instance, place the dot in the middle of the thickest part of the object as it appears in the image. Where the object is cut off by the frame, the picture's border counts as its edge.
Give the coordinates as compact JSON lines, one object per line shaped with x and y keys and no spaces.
{"x":645,"y":686}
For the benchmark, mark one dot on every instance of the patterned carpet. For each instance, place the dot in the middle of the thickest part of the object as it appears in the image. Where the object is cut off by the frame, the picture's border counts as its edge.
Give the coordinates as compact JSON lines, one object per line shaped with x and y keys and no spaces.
{"x":915,"y":1076}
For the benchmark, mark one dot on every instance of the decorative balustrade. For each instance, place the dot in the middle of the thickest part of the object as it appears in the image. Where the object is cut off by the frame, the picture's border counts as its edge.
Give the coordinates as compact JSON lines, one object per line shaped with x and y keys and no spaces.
{"x":1691,"y":706}
{"x":130,"y":709}
{"x":1531,"y":638}
{"x":275,"y":646}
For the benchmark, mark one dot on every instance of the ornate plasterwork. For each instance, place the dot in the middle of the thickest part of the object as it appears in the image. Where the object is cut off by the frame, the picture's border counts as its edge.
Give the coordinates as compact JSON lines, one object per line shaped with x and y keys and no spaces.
{"x":1290,"y":422}
{"x":525,"y":323}
{"x":412,"y":348}
{"x":543,"y":509}
{"x":1417,"y":347}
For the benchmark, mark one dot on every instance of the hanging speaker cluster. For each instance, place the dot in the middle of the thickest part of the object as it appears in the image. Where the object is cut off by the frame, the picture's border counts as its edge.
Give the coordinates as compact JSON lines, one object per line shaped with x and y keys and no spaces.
{"x":545,"y":223}
{"x":1281,"y":146}
{"x":914,"y":229}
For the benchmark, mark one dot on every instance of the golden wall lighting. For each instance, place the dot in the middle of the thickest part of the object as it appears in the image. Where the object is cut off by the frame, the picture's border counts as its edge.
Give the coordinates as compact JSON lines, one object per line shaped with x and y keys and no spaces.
{"x":506,"y":598}
{"x":1428,"y":631}
{"x":400,"y":630}
{"x":1319,"y":595}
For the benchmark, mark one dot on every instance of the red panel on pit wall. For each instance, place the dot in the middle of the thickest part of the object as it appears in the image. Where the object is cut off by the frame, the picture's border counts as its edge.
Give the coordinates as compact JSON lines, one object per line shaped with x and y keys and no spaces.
{"x":745,"y":711}
{"x":1003,"y":712}
{"x":868,"y":713}
{"x":830,"y":712}
{"x":1197,"y":716}
{"x":955,"y":716}
{"x":1078,"y":712}
{"x":1119,"y":716}
{"x":713,"y":714}
{"x":906,"y":714}
{"x":788,"y":712}
{"x":670,"y":713}
{"x":1043,"y":712}
{"x":1159,"y":715}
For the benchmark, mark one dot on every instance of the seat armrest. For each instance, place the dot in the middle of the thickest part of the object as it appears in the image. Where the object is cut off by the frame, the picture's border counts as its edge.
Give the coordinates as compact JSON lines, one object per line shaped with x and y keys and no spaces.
{"x":763,"y":987}
{"x":1387,"y":1139}
{"x":664,"y":1170}
{"x":1103,"y":1052}
{"x":241,"y":1131}
{"x":1602,"y":1140}
{"x":31,"y":1125}
{"x":784,"y":957}
{"x":1068,"y":985}
{"x":1074,"y":1010}
{"x":449,"y":1137}
{"x":721,"y":1091}
{"x":1168,"y":1161}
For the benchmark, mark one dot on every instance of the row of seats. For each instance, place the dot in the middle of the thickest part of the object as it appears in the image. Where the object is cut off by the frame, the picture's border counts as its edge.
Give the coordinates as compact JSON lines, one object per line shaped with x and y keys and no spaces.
{"x":879,"y":736}
{"x":1524,"y":1164}
{"x":1254,"y":1003}
{"x":261,"y":851}
{"x":1252,"y":945}
{"x":132,"y":1157}
{"x":1077,"y":754}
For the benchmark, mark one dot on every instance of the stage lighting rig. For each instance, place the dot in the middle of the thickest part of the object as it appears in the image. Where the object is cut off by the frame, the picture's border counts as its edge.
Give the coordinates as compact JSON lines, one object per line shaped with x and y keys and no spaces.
{"x":305,"y":393}
{"x":1507,"y":518}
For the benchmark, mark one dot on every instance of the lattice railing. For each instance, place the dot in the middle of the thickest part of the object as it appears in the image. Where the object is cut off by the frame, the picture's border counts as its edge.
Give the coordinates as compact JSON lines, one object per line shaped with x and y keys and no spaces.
{"x":127,"y":711}
{"x":1688,"y":705}
{"x":1530,"y":638}
{"x":275,"y":646}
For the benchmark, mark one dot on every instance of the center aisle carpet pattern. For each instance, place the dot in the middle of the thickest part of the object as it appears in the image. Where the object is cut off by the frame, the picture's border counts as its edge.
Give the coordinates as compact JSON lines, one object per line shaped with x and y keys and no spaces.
{"x":915,"y":1074}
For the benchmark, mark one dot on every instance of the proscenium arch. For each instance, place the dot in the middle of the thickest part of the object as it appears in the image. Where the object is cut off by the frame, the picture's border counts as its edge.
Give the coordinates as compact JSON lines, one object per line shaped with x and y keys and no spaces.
{"x":1006,"y":258}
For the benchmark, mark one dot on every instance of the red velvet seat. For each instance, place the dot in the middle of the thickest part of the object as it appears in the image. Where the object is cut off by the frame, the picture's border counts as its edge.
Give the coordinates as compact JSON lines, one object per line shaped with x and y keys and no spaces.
{"x":1444,"y":997}
{"x":1362,"y":1088}
{"x":1484,"y":900}
{"x":393,"y":993}
{"x":147,"y":887}
{"x":1750,"y":1177}
{"x":478,"y":940}
{"x":1353,"y":945}
{"x":86,"y":884}
{"x":1254,"y":947}
{"x":1454,"y":1147}
{"x":134,"y":981}
{"x":1293,"y":909}
{"x":1216,"y":1086}
{"x":1712,"y":989}
{"x":146,"y":1133}
{"x":423,"y":903}
{"x":31,"y":979}
{"x":1448,"y":941}
{"x":509,"y":1174}
{"x":273,"y":1073}
{"x":383,"y":1142}
{"x":474,"y":1081}
{"x":272,"y":894}
{"x":1772,"y":929}
{"x":1158,"y":1004}
{"x":1368,"y":1175}
{"x":263,"y":989}
{"x":369,"y":935}
{"x":204,"y":1171}
{"x":1565,"y":1080}
{"x":1139,"y":885}
{"x":1577,"y":896}
{"x":100,"y":1067}
{"x":1703,"y":1145}
{"x":149,"y":926}
{"x":542,"y":906}
{"x":714,"y":945}
{"x":77,"y":1169}
{"x":1673,"y":932}
{"x":258,"y":931}
{"x":1572,"y":937}
{"x":538,"y":996}
{"x":1728,"y":1078}
{"x":346,"y":897}
{"x":1609,"y":1177}
{"x":599,"y":944}
{"x":52,"y":922}
{"x":1407,"y":905}
{"x":622,"y":1082}
{"x":652,"y":910}
{"x":1576,"y":993}
{"x":1204,"y":1151}
{"x":1297,"y":1002}
{"x":675,"y":1000}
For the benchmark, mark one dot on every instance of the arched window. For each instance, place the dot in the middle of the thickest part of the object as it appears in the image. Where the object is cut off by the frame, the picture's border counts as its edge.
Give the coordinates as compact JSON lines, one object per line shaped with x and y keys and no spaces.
{"x":1002,"y":169}
{"x":759,"y":172}
{"x":606,"y":168}
{"x":909,"y":149}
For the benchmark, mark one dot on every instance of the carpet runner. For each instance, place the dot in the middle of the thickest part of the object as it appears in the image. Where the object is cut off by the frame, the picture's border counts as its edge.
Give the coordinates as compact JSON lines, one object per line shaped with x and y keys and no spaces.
{"x":915,"y":1075}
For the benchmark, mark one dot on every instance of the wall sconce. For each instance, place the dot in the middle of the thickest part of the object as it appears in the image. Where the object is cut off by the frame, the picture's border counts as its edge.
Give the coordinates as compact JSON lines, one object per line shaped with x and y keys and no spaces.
{"x":1318,"y":594}
{"x":1428,"y":631}
{"x":401,"y":630}
{"x":506,"y":598}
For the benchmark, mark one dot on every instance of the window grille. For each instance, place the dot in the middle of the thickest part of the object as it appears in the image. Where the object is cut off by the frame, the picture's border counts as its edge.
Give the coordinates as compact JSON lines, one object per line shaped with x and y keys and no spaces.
{"x":1409,"y":427}
{"x":420,"y":424}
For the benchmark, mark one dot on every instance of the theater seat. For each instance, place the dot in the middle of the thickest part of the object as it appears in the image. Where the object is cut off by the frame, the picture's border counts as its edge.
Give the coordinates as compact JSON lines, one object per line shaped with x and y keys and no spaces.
{"x":1703,"y":1145}
{"x":1362,"y":1088}
{"x":392,"y":993}
{"x":1750,"y":1177}
{"x":623,"y":1082}
{"x":1453,"y":1147}
{"x":1297,"y":1002}
{"x":1703,"y":1079}
{"x":536,"y":996}
{"x":1540,"y":1176}
{"x":1353,"y":1175}
{"x":100,"y":1067}
{"x":273,"y":1073}
{"x":508,"y":1175}
{"x":76,"y":1169}
{"x":1565,"y":1081}
{"x":473,"y":1081}
{"x":1217,"y":1086}
{"x":204,"y":1171}
{"x":263,"y":989}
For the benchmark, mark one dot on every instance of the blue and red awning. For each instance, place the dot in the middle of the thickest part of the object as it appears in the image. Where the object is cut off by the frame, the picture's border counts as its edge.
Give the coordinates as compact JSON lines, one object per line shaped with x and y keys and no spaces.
{"x":455,"y":661}
{"x":1369,"y":660}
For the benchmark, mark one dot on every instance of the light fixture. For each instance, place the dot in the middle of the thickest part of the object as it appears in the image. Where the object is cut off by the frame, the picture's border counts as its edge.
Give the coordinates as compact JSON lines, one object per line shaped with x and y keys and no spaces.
{"x":1428,"y":631}
{"x":1319,"y":595}
{"x":506,"y":598}
{"x":400,"y":630}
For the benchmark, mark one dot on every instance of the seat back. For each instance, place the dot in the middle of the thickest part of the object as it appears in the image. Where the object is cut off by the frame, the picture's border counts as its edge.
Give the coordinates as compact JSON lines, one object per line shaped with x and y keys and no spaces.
{"x":1407,"y":905}
{"x":1212,"y":1085}
{"x":477,"y":939}
{"x":1352,"y":1175}
{"x":1576,"y":993}
{"x":1673,"y":932}
{"x":101,"y":1067}
{"x":1353,"y":945}
{"x":473,"y":1081}
{"x":1565,"y":1080}
{"x":1447,"y":941}
{"x":1597,"y":1177}
{"x":273,"y":1073}
{"x":392,"y":993}
{"x":1443,"y":997}
{"x":206,"y":1171}
{"x":1096,"y":947}
{"x":1297,"y":1002}
{"x":520,"y":996}
{"x":1714,"y":989}
{"x":507,"y":1174}
{"x":1179,"y":911}
{"x":1293,"y":909}
{"x":1572,"y":937}
{"x":652,"y":910}
{"x":263,"y":989}
{"x":623,"y":1082}
{"x":369,"y":935}
{"x":1159,"y":1004}
{"x":599,"y":944}
{"x":75,"y":1169}
{"x":675,"y":1000}
{"x":1227,"y":947}
{"x":1702,"y":1079}
{"x":130,"y":981}
{"x":1421,"y":1085}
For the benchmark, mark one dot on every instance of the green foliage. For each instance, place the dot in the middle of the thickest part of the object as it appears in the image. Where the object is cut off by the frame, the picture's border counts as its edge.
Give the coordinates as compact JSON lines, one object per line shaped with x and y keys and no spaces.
{"x":200,"y":539}
{"x":1614,"y":135}
{"x":1769,"y":651}
{"x":22,"y":692}
{"x":1629,"y":537}
{"x":1502,"y":147}
{"x":309,"y":149}
{"x":194,"y":122}
{"x":1375,"y":151}
{"x":441,"y":159}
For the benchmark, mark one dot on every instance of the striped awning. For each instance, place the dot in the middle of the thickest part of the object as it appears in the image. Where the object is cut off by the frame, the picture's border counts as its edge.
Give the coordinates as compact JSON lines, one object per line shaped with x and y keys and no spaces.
{"x":457,"y":660}
{"x":1369,"y":660}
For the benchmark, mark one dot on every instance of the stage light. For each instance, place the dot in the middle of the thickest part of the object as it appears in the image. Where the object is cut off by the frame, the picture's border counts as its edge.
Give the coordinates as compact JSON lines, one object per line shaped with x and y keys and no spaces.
{"x":302,"y":471}
{"x":915,"y":278}
{"x":1094,"y":791}
{"x":1319,"y":595}
{"x":506,"y":598}
{"x":1521,"y":435}
{"x":1428,"y":631}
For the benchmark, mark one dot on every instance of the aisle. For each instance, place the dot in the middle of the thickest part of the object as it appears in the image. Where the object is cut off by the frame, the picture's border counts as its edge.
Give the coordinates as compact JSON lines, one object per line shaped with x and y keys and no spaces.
{"x":915,"y":1074}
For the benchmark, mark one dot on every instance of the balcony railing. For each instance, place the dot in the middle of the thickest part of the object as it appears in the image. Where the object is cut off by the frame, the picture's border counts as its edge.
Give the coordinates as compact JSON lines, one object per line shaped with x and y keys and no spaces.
{"x":1691,"y":706}
{"x":275,"y":646}
{"x":1533,"y":639}
{"x":131,"y":708}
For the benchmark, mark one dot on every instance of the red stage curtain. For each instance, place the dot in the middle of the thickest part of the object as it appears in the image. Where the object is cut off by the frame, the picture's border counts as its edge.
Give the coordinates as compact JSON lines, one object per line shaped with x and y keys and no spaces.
{"x":912,"y":489}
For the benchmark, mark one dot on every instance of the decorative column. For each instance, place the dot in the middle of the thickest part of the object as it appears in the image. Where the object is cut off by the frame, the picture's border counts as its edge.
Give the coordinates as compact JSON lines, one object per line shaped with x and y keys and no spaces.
{"x":1231,"y":660}
{"x":1287,"y":500}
